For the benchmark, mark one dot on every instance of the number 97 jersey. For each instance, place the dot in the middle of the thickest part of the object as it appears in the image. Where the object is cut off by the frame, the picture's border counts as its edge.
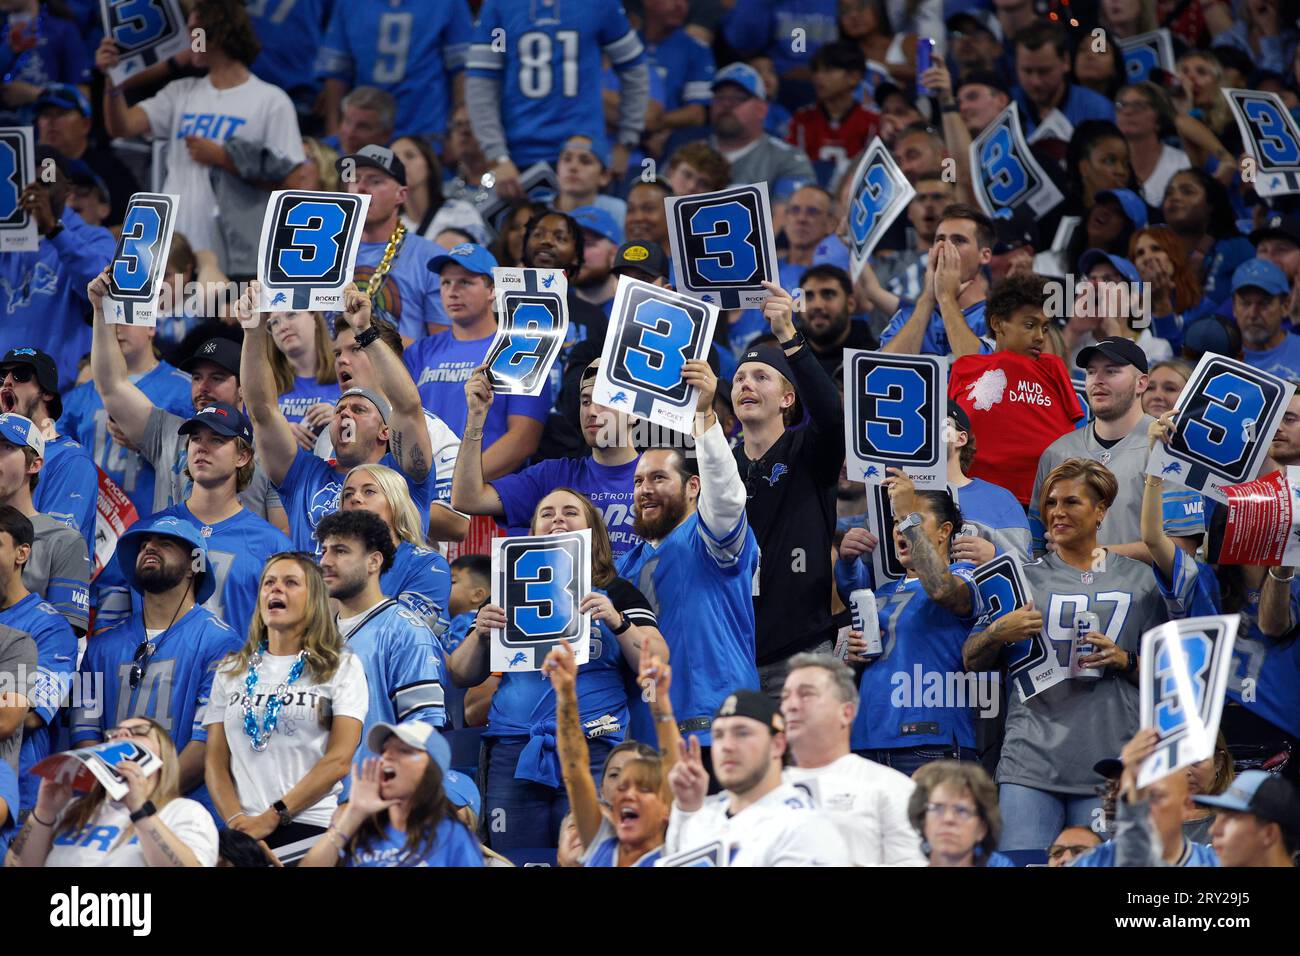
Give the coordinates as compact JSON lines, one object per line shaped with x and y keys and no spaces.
{"x":547,"y":56}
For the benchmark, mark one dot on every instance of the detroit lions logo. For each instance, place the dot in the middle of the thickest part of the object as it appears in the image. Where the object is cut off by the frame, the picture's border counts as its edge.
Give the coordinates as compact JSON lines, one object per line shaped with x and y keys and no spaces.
{"x":119,"y":310}
{"x":279,"y":299}
{"x":777,"y":471}
{"x":324,"y":502}
{"x":518,"y":659}
{"x":619,"y":398}
{"x":872,"y":472}
{"x":987,"y":390}
{"x":548,"y":280}
{"x":1173,"y":468}
{"x":42,"y":280}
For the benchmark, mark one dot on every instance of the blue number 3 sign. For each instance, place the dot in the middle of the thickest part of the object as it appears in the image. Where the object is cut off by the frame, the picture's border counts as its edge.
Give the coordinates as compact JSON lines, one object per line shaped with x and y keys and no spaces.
{"x":312,"y":233}
{"x":140,"y":253}
{"x":544,"y":580}
{"x":1225,"y":414}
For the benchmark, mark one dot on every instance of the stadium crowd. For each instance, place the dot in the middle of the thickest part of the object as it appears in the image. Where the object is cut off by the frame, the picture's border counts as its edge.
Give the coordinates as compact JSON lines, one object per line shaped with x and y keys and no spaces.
{"x":255,"y":544}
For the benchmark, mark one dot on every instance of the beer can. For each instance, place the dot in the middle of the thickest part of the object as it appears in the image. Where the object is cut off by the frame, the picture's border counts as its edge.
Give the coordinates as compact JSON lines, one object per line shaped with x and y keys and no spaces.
{"x":1084,"y":624}
{"x":862,"y":607}
{"x":924,"y":50}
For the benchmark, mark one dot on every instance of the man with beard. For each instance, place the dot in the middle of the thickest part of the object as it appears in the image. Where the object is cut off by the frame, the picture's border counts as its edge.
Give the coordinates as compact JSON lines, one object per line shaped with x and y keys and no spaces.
{"x":159,"y":663}
{"x":1260,"y":293}
{"x":903,"y":275}
{"x":403,"y":660}
{"x":737,"y":111}
{"x":59,"y":567}
{"x":790,"y":476}
{"x":760,"y":820}
{"x":696,"y":564}
{"x":828,"y":317}
{"x":1117,"y":437}
{"x":601,"y":237}
{"x":219,"y":461}
{"x":69,"y":485}
{"x":214,"y":377}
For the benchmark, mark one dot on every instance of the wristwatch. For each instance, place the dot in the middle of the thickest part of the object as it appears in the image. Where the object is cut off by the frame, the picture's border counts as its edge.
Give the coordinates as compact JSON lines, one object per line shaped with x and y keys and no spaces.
{"x":366,"y":336}
{"x":147,"y":810}
{"x":623,"y":625}
{"x":286,"y":817}
{"x":911,"y":521}
{"x":790,"y":343}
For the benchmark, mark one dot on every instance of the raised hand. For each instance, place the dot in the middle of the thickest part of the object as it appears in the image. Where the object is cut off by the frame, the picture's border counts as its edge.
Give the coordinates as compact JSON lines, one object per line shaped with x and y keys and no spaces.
{"x":562,"y":669}
{"x":858,"y":543}
{"x":688,"y":779}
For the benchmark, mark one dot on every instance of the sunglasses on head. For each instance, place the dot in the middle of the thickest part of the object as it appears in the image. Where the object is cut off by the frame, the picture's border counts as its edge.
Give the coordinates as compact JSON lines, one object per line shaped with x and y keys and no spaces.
{"x":21,"y":373}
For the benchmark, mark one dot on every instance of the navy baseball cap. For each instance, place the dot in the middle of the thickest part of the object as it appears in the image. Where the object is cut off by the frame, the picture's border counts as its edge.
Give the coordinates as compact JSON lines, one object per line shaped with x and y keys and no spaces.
{"x":994,"y":81}
{"x":1266,"y":795}
{"x":1260,"y":274}
{"x":1015,"y":229}
{"x":768,"y":355}
{"x":959,"y":416}
{"x":597,"y":220}
{"x":219,"y":351}
{"x":128,"y":549}
{"x":221,"y":418}
{"x":1211,"y":334}
{"x":1129,"y":201}
{"x":744,"y":76}
{"x":376,"y":157}
{"x":467,"y":255}
{"x":63,"y":96}
{"x":1118,"y":348}
{"x":22,"y":432}
{"x":416,"y":734}
{"x":1094,"y":256}
{"x":47,"y":374}
{"x":1278,"y":226}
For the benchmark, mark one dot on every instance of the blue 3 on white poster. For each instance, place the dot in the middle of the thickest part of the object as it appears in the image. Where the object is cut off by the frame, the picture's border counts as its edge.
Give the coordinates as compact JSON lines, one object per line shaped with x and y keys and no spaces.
{"x":532,"y":322}
{"x":1005,"y":173}
{"x":880,"y":192}
{"x":145,"y":31}
{"x":309,"y":249}
{"x":140,"y":262}
{"x":17,"y":172}
{"x":1271,"y":137}
{"x":895,"y":410}
{"x":540,"y":581}
{"x":724,"y":245}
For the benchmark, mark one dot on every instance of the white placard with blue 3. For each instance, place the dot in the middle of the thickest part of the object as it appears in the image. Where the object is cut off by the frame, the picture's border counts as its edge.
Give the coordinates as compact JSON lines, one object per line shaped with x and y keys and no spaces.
{"x":145,"y":31}
{"x":540,"y":581}
{"x":1032,"y":665}
{"x":1271,"y":136}
{"x":880,"y":192}
{"x":532,"y":323}
{"x":140,"y":262}
{"x":895,"y":413}
{"x":1146,"y":52}
{"x":17,"y":172}
{"x":1005,"y":173}
{"x":652,"y":333}
{"x":723,"y":245}
{"x":1183,"y":675}
{"x":309,"y":249}
{"x":1227,"y":414}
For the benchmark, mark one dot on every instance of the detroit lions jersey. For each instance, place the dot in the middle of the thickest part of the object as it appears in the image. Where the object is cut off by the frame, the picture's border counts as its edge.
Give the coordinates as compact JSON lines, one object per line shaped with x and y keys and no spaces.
{"x":59,"y":569}
{"x":86,"y":420}
{"x":306,"y":392}
{"x":404,"y":666}
{"x":551,"y":46}
{"x":991,"y":512}
{"x":685,"y":67}
{"x":1194,"y":590}
{"x":1265,"y":675}
{"x":56,"y":661}
{"x":68,"y":489}
{"x":379,"y":43}
{"x":1053,"y":740}
{"x":290,"y":31}
{"x":420,"y":578}
{"x":1184,"y":509}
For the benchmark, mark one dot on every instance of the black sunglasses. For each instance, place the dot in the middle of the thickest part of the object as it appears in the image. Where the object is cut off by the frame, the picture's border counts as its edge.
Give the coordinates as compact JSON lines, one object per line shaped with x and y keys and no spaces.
{"x":21,"y":373}
{"x":140,"y":664}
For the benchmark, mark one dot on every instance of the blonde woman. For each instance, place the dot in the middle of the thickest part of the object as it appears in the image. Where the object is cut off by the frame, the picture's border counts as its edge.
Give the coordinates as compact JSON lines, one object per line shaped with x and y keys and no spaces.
{"x":301,"y":356}
{"x":318,"y":172}
{"x":285,"y":714}
{"x":420,"y":576}
{"x":152,"y":825}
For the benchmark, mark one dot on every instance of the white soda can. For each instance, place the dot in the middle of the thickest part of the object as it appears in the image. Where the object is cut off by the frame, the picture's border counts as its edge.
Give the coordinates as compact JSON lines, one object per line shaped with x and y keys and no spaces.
{"x":1084,"y":624}
{"x":862,"y":606}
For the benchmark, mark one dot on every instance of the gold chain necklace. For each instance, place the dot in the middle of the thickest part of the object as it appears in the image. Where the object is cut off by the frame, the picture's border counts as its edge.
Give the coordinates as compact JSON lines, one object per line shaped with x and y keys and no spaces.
{"x":376,"y":280}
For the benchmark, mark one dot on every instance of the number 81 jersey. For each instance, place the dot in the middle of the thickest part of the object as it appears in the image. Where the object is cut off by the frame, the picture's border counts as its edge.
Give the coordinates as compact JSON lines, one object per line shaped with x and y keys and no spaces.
{"x":546,"y":54}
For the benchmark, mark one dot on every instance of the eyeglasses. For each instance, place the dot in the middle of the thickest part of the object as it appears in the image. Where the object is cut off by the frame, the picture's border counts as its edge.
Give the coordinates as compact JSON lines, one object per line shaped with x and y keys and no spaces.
{"x":141,"y":730}
{"x":1056,"y":851}
{"x":1131,"y":106}
{"x":140,"y":662}
{"x":959,"y":810}
{"x":21,"y":373}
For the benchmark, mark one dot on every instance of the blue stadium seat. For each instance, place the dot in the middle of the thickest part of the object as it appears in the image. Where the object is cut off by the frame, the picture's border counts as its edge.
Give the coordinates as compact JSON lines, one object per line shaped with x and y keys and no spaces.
{"x":1026,"y":857}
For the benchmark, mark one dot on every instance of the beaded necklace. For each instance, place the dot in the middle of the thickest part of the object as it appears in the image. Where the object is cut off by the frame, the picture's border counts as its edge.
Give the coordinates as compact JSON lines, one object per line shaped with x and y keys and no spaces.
{"x":260,"y":737}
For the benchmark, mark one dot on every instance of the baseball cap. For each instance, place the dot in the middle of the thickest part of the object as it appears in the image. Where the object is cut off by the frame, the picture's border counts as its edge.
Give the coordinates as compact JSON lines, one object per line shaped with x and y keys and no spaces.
{"x":381,"y":403}
{"x":47,"y":374}
{"x":755,"y":705}
{"x":22,"y":432}
{"x":768,"y":355}
{"x":413,"y":733}
{"x":1266,"y":795}
{"x":376,"y":157}
{"x":1211,"y":334}
{"x":63,"y":96}
{"x":128,"y":549}
{"x":1118,"y":348}
{"x":1278,"y":226}
{"x":959,"y":416}
{"x":1015,"y":229}
{"x":584,"y":143}
{"x":1260,"y":274}
{"x":221,"y":418}
{"x":222,"y":352}
{"x":80,"y":174}
{"x":1129,"y":201}
{"x":987,"y":78}
{"x":461,"y":791}
{"x":597,"y":220}
{"x":744,"y":76}
{"x":467,"y":255}
{"x":969,"y":21}
{"x":647,"y":257}
{"x":1094,"y":256}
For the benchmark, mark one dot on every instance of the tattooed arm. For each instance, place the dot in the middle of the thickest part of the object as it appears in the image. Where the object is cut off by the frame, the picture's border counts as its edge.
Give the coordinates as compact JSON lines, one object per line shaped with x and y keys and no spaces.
{"x":944,"y":588}
{"x":571,"y":743}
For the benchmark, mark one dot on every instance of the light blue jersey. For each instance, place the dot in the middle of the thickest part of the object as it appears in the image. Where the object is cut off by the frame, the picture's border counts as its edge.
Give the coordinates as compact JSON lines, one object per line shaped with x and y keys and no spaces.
{"x":68,"y":489}
{"x":420,"y":578}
